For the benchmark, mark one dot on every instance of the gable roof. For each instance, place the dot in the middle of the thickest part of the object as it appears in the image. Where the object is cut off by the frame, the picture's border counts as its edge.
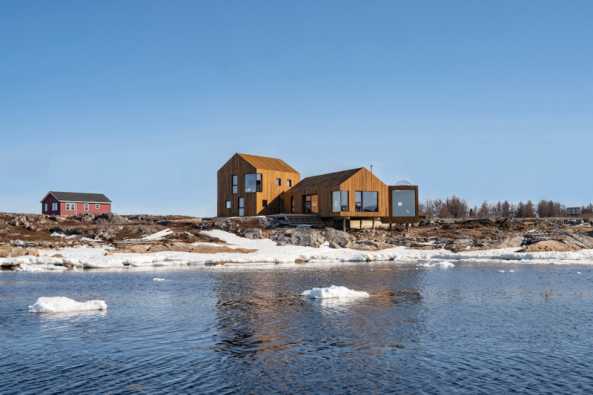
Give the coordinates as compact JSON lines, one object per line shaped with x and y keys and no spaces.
{"x":325,"y":180}
{"x":261,"y":162}
{"x":79,"y":197}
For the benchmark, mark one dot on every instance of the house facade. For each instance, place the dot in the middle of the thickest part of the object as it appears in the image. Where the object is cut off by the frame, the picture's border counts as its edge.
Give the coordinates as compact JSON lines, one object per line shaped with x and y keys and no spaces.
{"x":251,"y":185}
{"x":72,"y":203}
{"x":351,"y":193}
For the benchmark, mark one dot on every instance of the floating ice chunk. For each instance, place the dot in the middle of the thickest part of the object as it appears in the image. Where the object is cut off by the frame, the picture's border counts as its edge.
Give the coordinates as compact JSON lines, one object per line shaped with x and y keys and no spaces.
{"x":579,"y":273}
{"x":334,"y":292}
{"x":437,"y":264}
{"x":158,"y":279}
{"x":38,"y":268}
{"x":511,"y":271}
{"x":60,"y":304}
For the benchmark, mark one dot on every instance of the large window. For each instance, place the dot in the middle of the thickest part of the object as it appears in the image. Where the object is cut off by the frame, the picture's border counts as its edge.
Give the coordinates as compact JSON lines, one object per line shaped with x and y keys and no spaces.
{"x":366,"y":201}
{"x":70,"y":206}
{"x":241,"y":209}
{"x":54,"y":207}
{"x":403,"y":203}
{"x":252,"y":183}
{"x":234,"y":184}
{"x":339,"y":201}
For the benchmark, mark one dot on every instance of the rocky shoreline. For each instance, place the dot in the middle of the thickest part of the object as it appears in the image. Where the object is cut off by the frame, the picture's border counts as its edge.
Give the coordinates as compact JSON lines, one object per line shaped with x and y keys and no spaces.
{"x":24,"y":235}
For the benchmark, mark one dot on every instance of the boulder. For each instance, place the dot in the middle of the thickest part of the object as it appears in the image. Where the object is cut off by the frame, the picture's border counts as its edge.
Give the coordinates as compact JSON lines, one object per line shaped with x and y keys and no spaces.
{"x":269,"y":223}
{"x":548,"y":245}
{"x":338,"y":237}
{"x":333,"y":245}
{"x":223,"y":223}
{"x":84,"y":217}
{"x":305,"y":237}
{"x":369,"y":245}
{"x":507,"y":242}
{"x":254,"y":234}
{"x":110,"y":218}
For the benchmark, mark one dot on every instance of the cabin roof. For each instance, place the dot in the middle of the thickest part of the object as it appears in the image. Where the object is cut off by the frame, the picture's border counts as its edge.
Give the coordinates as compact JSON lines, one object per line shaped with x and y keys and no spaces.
{"x":79,"y":197}
{"x":325,"y":180}
{"x":261,"y":162}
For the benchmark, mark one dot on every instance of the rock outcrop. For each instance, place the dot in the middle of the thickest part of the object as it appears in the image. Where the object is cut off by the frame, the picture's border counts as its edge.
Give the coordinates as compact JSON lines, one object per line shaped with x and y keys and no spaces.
{"x":305,"y":237}
{"x":340,"y":238}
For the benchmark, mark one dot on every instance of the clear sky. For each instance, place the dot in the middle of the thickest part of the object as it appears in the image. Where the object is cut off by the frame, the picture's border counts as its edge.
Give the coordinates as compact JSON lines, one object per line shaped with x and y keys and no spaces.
{"x":144,"y":100}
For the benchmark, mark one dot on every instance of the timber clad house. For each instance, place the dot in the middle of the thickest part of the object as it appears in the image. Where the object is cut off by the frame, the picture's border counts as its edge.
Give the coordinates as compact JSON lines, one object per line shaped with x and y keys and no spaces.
{"x":72,"y":203}
{"x":251,"y":185}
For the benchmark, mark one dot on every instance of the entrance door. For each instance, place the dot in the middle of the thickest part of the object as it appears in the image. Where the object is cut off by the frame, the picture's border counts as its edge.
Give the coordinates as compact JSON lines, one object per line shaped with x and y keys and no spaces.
{"x":310,"y":204}
{"x":241,"y":207}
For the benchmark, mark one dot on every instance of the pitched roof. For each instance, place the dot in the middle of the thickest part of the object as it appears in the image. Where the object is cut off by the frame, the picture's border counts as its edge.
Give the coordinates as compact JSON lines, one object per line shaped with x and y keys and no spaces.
{"x":325,"y":180}
{"x":261,"y":162}
{"x":79,"y":197}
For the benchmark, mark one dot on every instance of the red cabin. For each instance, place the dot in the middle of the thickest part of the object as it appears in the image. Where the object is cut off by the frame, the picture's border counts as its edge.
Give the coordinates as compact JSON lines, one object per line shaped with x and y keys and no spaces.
{"x":72,"y":203}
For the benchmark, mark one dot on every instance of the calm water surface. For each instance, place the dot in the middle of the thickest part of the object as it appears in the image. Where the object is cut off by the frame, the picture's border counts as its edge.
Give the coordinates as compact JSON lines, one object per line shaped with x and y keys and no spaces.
{"x":467,"y":329}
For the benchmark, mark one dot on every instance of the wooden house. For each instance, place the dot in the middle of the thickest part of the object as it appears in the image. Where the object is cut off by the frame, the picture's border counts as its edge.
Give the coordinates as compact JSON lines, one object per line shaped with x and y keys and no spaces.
{"x":350,"y":194}
{"x":251,"y":185}
{"x":72,"y":203}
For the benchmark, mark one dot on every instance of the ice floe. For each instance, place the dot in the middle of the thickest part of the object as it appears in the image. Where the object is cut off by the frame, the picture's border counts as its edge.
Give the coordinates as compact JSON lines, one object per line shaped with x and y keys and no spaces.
{"x":334,"y":291}
{"x":437,"y":264}
{"x":158,"y":279}
{"x":61,"y":304}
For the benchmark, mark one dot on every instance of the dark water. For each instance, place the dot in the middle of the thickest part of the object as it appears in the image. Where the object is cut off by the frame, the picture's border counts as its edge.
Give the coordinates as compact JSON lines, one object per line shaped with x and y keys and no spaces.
{"x":467,"y":329}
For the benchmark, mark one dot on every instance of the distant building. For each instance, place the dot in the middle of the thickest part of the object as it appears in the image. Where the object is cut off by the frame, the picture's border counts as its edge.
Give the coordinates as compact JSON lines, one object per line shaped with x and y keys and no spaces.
{"x":72,"y":203}
{"x":576,"y":211}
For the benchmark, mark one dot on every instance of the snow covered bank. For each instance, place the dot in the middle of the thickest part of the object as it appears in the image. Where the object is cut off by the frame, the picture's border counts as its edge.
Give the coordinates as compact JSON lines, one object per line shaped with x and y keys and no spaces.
{"x":60,"y":304}
{"x":268,"y":252}
{"x":334,"y":292}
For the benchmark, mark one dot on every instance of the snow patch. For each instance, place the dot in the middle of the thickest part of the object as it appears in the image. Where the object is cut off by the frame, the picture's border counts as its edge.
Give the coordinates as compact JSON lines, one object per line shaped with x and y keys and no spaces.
{"x":334,"y":292}
{"x":56,"y":234}
{"x":61,"y":304}
{"x":158,"y":235}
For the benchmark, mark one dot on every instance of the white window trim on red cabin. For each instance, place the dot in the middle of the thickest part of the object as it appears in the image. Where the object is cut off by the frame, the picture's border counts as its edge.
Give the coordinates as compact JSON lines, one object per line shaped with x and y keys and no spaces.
{"x":86,"y":207}
{"x":97,"y":206}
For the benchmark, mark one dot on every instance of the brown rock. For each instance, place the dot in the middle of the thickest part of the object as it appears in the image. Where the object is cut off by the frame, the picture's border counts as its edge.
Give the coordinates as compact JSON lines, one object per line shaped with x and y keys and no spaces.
{"x":108,"y":253}
{"x":57,"y":256}
{"x":548,"y":245}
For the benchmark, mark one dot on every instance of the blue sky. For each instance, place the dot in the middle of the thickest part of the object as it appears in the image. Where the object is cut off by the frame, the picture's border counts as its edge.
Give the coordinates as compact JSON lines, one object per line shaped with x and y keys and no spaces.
{"x":144,"y":101}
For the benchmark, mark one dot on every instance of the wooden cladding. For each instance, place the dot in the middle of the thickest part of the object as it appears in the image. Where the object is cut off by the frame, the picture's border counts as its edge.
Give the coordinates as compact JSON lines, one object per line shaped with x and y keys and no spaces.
{"x":253,"y":203}
{"x":323,"y":186}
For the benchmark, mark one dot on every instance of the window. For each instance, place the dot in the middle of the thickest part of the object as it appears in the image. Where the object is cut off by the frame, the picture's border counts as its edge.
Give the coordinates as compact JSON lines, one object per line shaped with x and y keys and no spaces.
{"x":45,"y":207}
{"x":278,"y":182}
{"x":97,"y":206}
{"x":70,"y":206}
{"x":86,"y":207}
{"x":403,"y":203}
{"x":292,"y":204}
{"x":252,"y":183}
{"x":264,"y":203}
{"x":366,"y":201}
{"x":288,"y":183}
{"x":241,"y":210}
{"x":54,"y":207}
{"x":234,"y":184}
{"x":339,"y":201}
{"x":227,"y":204}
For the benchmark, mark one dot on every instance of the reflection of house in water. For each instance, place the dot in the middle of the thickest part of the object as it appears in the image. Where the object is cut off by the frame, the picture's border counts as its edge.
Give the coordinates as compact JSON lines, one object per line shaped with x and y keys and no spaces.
{"x":262,"y":317}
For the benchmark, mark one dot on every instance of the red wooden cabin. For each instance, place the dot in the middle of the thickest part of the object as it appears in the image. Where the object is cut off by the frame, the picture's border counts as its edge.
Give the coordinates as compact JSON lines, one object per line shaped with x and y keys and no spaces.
{"x":72,"y":203}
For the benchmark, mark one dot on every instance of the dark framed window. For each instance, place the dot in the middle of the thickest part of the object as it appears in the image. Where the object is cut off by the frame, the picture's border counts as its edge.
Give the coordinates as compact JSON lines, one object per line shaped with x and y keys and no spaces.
{"x":278,"y":182}
{"x":264,"y":203}
{"x":366,"y":201}
{"x":235,"y":187}
{"x":339,"y":201}
{"x":292,"y":204}
{"x":288,"y":183}
{"x":253,"y":183}
{"x":241,"y":208}
{"x":228,"y":204}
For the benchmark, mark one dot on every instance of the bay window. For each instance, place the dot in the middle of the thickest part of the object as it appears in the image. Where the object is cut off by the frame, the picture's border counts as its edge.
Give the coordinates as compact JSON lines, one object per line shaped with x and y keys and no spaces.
{"x":253,"y":183}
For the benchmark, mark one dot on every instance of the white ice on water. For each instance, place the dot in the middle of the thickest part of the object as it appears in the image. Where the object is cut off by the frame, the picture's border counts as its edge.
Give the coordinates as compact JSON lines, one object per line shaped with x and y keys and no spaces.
{"x":437,"y":264}
{"x":269,"y":253}
{"x":158,"y":279}
{"x":61,"y":304}
{"x":334,"y":291}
